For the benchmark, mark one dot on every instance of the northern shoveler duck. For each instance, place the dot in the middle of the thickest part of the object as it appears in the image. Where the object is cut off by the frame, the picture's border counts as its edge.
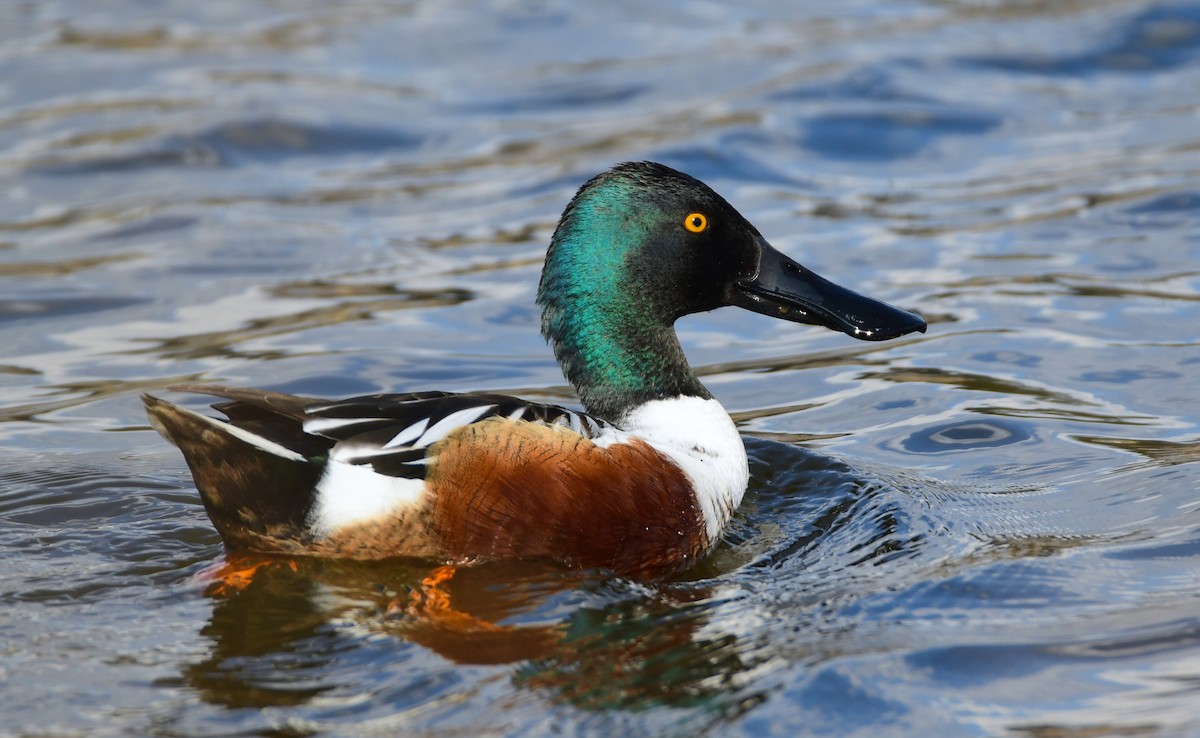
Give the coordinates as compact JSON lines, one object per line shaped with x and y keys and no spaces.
{"x":642,"y":483}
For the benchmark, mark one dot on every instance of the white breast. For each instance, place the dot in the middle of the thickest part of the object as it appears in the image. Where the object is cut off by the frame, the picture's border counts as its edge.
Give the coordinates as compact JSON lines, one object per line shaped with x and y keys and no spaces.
{"x":699,"y":436}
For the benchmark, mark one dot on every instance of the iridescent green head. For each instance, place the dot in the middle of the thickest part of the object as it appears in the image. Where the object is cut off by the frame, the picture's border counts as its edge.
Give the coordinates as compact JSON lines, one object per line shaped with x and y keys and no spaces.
{"x":642,"y":245}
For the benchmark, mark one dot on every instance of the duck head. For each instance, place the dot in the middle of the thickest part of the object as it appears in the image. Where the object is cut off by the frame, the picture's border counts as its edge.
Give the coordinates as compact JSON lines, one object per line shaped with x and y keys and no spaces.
{"x":642,"y":245}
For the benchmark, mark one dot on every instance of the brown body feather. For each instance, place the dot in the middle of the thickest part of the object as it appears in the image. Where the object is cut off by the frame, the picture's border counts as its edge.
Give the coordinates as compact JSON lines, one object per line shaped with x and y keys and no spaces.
{"x":500,"y":489}
{"x":503,"y":489}
{"x":257,"y":500}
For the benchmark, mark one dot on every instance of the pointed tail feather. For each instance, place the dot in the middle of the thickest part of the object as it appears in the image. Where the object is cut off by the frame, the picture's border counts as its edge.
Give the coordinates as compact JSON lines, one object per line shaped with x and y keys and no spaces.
{"x":257,"y":492}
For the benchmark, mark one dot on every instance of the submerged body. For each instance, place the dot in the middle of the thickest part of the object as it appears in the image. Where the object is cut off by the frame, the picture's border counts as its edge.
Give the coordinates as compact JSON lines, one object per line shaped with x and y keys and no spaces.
{"x":642,"y":484}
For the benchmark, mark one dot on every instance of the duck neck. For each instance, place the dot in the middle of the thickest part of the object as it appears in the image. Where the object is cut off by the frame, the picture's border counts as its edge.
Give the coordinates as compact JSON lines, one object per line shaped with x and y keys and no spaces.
{"x":616,"y":365}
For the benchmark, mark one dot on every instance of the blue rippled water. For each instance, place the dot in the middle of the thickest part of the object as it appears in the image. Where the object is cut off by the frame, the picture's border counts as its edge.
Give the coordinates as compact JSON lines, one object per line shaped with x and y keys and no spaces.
{"x":991,"y":529}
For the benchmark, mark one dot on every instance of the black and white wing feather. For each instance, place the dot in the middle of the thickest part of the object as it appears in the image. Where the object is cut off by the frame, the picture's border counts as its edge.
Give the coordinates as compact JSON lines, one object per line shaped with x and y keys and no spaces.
{"x":391,"y":433}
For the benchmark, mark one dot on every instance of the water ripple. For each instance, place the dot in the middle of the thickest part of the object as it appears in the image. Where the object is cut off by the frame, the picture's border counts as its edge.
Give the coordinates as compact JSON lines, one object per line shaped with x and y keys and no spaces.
{"x":997,"y":518}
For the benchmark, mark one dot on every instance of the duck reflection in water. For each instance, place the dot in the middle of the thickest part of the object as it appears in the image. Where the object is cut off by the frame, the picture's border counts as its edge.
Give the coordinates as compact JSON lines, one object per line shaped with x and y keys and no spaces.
{"x":279,"y":625}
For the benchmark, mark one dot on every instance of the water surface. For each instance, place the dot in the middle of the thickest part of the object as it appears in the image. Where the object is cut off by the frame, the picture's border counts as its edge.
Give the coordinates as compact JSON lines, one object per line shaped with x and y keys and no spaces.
{"x":989,"y":529}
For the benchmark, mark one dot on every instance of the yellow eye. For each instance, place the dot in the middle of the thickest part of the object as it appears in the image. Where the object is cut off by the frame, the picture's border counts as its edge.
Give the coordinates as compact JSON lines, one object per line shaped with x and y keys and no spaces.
{"x":695,"y":222}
